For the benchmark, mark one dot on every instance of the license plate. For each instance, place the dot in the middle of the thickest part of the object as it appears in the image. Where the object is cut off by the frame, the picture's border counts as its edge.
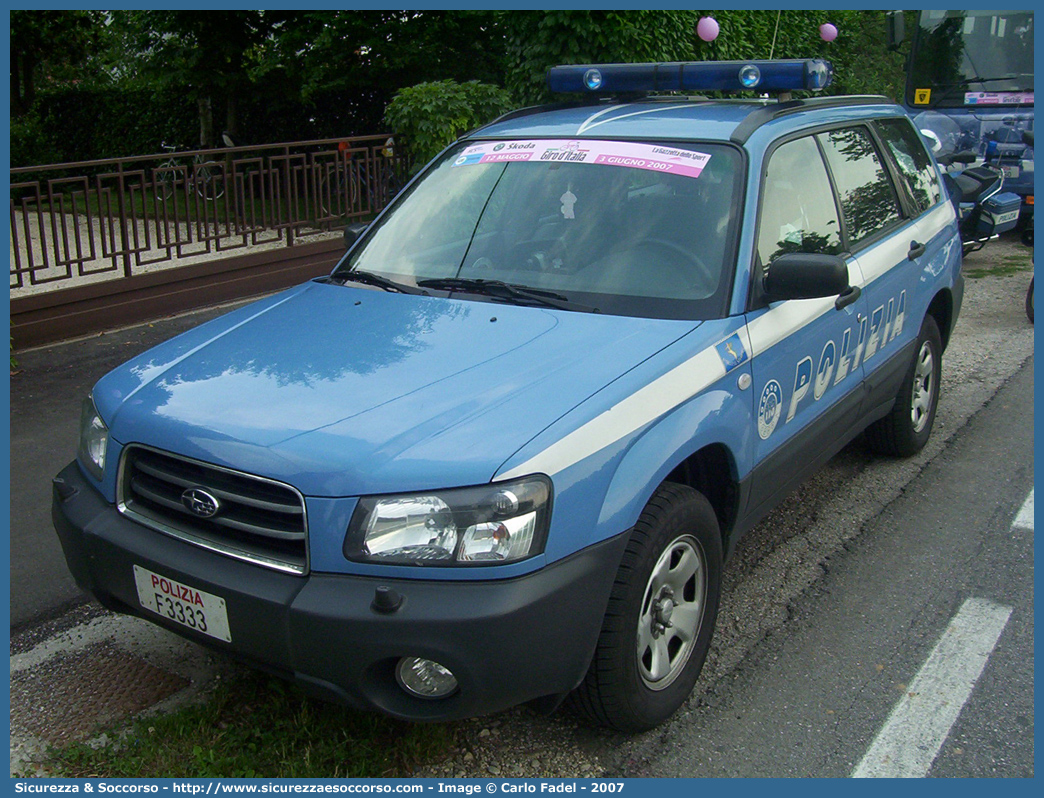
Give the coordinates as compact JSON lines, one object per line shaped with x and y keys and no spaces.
{"x":1010,"y":171}
{"x":182,"y":604}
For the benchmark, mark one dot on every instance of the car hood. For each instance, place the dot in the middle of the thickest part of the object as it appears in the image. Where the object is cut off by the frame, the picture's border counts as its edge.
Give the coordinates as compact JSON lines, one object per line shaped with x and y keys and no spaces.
{"x":345,"y":391}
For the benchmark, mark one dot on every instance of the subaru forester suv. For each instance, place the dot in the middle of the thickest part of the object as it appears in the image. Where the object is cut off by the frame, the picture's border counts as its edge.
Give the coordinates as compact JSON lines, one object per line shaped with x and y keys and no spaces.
{"x":501,"y":453}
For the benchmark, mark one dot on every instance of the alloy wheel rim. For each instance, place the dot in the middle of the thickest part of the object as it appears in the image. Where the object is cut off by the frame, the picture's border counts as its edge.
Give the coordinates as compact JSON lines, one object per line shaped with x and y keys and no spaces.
{"x":671,"y":613}
{"x":923,"y":387}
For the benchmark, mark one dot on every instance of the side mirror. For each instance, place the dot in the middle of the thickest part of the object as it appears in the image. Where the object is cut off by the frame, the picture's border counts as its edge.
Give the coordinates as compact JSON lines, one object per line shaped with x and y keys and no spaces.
{"x":352,"y":233}
{"x":806,"y":275}
{"x":895,"y":29}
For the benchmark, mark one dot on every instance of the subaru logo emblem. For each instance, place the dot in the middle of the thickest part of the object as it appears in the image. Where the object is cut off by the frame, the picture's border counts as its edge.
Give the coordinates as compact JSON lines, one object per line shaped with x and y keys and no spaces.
{"x":200,"y":503}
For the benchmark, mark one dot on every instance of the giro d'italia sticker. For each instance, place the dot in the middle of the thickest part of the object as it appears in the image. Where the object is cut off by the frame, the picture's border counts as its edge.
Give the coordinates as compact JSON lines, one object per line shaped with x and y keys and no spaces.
{"x":769,"y":409}
{"x":998,"y":98}
{"x":654,"y":157}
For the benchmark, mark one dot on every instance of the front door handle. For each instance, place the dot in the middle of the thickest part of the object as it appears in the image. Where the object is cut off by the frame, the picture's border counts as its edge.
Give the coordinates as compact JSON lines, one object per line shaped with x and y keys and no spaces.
{"x":916,"y":250}
{"x":847,"y":297}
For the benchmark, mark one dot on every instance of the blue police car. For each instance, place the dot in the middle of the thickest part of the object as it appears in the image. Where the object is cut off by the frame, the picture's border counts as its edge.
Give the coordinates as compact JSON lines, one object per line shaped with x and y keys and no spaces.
{"x":500,"y":454}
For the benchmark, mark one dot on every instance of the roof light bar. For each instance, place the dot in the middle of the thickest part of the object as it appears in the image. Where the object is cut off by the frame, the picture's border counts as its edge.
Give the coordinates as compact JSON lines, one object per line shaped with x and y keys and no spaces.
{"x":811,"y":74}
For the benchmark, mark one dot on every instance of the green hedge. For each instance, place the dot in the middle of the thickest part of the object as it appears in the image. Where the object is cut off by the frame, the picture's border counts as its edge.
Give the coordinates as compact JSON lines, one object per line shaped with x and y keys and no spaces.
{"x":862,"y":63}
{"x":79,"y":124}
{"x":429,"y":116}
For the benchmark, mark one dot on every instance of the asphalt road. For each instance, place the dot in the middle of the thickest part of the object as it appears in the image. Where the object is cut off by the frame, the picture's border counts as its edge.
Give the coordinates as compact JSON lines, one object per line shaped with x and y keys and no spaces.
{"x":811,"y":697}
{"x":830,"y":606}
{"x":46,"y":392}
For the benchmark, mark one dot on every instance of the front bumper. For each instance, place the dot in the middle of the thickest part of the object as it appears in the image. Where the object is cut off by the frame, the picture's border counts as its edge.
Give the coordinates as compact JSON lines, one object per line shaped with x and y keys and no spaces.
{"x":507,"y":641}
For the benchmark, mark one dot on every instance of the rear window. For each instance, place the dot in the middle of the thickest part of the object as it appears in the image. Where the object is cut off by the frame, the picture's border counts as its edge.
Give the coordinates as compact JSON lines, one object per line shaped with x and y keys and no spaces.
{"x":907,"y":150}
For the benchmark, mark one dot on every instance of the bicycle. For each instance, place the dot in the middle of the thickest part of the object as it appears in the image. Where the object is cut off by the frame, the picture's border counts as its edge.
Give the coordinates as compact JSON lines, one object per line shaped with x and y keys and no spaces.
{"x":198,"y":176}
{"x":350,"y":177}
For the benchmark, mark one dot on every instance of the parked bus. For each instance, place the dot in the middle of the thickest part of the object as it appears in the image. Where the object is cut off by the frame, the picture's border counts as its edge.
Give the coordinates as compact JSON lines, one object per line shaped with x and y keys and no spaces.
{"x":969,"y":86}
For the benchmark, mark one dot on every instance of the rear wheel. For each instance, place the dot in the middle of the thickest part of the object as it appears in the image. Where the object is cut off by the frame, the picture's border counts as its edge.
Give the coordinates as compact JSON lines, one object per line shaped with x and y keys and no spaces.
{"x":1029,"y":301}
{"x":905,"y":430}
{"x":658,"y":625}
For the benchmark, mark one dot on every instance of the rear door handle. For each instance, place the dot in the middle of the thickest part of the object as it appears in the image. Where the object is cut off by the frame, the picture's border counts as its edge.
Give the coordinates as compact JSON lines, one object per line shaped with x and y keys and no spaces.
{"x":916,"y":250}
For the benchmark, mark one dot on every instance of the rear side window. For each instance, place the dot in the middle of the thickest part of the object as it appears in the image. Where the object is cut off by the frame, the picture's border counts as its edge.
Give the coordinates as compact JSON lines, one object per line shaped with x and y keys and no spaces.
{"x":868,"y":200}
{"x":798,"y":213}
{"x":907,"y":150}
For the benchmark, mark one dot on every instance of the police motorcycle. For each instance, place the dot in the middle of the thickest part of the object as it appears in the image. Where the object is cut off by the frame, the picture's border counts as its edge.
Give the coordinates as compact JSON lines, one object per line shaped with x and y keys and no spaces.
{"x":984,"y":209}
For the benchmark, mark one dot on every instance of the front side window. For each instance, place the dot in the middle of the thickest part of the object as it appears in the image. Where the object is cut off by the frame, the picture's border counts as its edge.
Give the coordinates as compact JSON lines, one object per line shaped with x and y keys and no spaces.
{"x":798,"y":213}
{"x":868,"y":201}
{"x":630,"y":228}
{"x":908,"y":153}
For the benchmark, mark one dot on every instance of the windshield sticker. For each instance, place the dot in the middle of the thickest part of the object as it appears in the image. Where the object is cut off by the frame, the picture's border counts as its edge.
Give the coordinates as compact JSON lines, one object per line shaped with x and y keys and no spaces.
{"x":654,"y":157}
{"x":998,"y":98}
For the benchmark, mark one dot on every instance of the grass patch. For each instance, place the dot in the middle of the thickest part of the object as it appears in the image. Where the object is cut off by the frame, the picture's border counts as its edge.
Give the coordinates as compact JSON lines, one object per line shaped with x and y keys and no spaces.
{"x":1008,"y":267}
{"x":253,"y":726}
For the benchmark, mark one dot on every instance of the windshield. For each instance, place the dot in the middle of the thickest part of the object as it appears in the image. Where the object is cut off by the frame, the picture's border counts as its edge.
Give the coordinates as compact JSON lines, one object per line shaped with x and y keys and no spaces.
{"x":966,"y":58}
{"x":628,"y":228}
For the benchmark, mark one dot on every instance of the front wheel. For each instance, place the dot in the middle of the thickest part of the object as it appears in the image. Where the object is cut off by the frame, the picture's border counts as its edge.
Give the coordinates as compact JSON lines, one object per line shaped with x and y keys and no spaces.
{"x":660,"y":618}
{"x":905,"y":430}
{"x":209,"y":185}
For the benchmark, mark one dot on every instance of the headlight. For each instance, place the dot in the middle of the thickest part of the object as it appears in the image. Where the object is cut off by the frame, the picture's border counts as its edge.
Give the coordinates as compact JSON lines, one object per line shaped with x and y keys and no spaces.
{"x":485,"y":525}
{"x":94,"y":439}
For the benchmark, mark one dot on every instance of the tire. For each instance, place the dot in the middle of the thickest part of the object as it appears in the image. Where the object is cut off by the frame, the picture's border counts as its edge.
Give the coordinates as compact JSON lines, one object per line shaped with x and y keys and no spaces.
{"x":165,"y":178}
{"x":905,"y":430}
{"x":208,"y":186}
{"x":1029,"y":301}
{"x":660,"y":617}
{"x":331,"y":195}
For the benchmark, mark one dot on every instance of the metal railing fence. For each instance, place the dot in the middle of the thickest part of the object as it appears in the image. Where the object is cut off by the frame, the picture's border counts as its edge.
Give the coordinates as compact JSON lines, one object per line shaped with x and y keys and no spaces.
{"x":76,"y":223}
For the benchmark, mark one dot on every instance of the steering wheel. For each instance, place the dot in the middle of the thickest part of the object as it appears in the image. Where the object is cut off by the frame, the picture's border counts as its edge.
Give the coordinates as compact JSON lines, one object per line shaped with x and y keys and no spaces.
{"x":537,"y":255}
{"x":692,"y":268}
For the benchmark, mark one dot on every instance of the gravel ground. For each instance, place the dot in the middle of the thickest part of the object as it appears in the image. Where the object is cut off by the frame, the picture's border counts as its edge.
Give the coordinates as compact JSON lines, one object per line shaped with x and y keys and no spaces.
{"x":777,"y":562}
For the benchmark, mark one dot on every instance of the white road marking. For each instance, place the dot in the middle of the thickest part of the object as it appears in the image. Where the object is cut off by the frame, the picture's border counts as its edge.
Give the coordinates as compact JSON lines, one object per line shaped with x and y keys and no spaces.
{"x":911,"y":738}
{"x":1024,"y":520}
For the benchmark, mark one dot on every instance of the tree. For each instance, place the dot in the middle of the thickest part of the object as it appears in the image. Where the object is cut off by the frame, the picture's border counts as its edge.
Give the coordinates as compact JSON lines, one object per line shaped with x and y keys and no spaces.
{"x":44,"y":41}
{"x":375,"y":53}
{"x":206,"y":51}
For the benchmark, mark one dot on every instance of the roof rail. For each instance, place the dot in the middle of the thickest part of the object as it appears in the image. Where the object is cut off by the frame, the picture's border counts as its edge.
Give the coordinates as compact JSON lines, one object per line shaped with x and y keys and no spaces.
{"x":755,"y":119}
{"x":529,"y":110}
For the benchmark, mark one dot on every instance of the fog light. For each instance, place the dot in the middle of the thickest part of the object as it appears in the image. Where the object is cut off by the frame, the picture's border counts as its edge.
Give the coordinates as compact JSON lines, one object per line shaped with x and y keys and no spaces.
{"x":424,"y":678}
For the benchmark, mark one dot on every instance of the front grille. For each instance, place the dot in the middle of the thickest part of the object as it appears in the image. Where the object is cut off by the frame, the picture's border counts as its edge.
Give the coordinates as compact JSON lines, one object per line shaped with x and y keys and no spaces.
{"x":257,"y":520}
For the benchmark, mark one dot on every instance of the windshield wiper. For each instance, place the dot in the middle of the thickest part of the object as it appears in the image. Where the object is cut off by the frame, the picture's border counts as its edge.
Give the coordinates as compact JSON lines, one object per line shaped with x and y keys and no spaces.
{"x":377,"y":280}
{"x":502,"y":290}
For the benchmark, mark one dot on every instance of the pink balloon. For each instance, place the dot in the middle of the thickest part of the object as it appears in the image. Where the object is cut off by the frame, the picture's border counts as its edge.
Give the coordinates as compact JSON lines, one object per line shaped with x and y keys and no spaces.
{"x":707,"y":29}
{"x":828,"y":32}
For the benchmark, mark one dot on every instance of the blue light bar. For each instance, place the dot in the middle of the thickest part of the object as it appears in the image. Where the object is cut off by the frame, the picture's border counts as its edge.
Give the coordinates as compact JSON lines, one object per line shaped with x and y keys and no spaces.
{"x":811,"y":74}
